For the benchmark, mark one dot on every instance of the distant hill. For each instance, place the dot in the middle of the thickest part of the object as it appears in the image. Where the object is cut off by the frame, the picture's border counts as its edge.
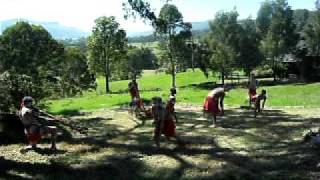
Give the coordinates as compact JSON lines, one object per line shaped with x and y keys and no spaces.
{"x":198,"y":29}
{"x":57,"y":30}
{"x":200,"y":26}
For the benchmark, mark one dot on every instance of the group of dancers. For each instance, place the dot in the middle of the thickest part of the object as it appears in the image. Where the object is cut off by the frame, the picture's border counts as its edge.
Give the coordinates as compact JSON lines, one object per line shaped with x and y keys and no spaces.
{"x":163,"y":113}
{"x":165,"y":117}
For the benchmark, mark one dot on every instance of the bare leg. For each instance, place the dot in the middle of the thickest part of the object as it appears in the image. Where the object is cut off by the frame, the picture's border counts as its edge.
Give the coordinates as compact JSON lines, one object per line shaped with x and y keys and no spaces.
{"x":256,"y":110}
{"x":175,"y":117}
{"x":52,"y":131}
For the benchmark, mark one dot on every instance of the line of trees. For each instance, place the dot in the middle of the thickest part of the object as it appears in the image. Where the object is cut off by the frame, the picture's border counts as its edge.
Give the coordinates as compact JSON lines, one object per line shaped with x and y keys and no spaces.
{"x":233,"y":44}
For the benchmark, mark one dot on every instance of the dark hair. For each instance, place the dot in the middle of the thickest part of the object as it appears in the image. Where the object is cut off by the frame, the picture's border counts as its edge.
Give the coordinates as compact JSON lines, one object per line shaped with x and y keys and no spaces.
{"x":264,"y":91}
{"x":27,"y":99}
{"x":173,"y":91}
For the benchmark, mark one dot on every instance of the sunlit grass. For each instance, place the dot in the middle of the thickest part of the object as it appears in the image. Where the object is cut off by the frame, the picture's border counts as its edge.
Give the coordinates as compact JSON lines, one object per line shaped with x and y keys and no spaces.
{"x":189,"y":91}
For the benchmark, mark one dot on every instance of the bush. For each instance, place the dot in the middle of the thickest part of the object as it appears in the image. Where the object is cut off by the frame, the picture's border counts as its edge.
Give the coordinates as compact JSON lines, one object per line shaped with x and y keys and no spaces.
{"x":263,"y":71}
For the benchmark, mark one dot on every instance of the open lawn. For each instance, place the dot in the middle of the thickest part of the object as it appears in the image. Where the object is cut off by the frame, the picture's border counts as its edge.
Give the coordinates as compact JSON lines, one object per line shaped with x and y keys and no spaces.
{"x":192,"y":89}
{"x":121,"y":147}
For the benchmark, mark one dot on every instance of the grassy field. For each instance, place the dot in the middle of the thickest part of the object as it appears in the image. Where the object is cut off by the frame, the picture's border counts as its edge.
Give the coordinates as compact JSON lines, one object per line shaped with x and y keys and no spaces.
{"x":192,"y":88}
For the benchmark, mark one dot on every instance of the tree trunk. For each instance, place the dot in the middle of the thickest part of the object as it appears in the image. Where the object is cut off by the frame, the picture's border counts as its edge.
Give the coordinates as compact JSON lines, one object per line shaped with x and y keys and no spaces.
{"x":274,"y":70}
{"x":173,"y":73}
{"x":106,"y":72}
{"x":173,"y":67}
{"x":222,"y":77}
{"x":192,"y":54}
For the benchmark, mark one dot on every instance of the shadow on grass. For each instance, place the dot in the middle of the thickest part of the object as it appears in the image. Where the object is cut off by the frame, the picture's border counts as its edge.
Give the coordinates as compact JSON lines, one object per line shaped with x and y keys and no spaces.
{"x":266,"y":147}
{"x":70,"y":112}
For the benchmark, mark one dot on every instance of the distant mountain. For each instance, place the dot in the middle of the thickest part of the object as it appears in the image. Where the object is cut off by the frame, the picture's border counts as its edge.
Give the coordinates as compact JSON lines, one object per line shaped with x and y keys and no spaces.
{"x":139,"y":34}
{"x":200,"y":26}
{"x":196,"y":26}
{"x":57,"y":30}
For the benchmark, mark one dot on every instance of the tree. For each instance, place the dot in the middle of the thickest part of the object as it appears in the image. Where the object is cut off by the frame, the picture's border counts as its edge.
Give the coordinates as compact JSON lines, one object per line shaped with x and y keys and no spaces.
{"x":311,"y":33}
{"x":106,"y":45}
{"x":250,"y":55}
{"x":75,"y":75}
{"x":300,"y":19}
{"x":166,"y":24}
{"x":135,"y":62}
{"x":263,"y":20}
{"x":223,"y":42}
{"x":28,"y":57}
{"x":280,"y":38}
{"x":169,"y":20}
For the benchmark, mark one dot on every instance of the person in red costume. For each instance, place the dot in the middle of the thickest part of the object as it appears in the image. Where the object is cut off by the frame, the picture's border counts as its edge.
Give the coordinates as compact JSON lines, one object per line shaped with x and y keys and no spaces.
{"x":252,"y":92}
{"x":215,"y":99}
{"x":33,"y":128}
{"x":171,"y":102}
{"x":164,"y":122}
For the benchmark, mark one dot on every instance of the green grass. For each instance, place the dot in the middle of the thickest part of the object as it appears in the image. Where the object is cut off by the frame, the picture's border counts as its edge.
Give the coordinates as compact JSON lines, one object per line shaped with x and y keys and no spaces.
{"x":150,"y":85}
{"x":192,"y":88}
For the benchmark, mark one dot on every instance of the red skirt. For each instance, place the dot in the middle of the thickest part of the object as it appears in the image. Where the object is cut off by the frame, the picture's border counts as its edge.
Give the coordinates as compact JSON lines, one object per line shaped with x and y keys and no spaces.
{"x":211,"y":105}
{"x":253,"y":95}
{"x":169,"y":127}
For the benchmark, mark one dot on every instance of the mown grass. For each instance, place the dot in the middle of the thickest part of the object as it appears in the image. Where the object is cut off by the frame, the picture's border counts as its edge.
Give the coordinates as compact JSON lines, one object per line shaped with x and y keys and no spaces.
{"x":192,"y":88}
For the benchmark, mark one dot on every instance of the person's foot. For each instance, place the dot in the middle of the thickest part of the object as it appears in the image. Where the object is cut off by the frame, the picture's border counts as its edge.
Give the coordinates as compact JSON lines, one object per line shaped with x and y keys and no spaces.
{"x":30,"y":147}
{"x":213,"y":126}
{"x":53,"y":146}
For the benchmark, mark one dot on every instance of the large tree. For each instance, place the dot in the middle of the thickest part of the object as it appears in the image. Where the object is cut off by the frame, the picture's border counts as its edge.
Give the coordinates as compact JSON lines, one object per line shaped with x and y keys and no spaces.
{"x":280,"y":37}
{"x":75,"y":75}
{"x":28,"y":57}
{"x":106,"y":45}
{"x":223,"y":41}
{"x":250,"y":55}
{"x":311,"y":33}
{"x":167,"y":24}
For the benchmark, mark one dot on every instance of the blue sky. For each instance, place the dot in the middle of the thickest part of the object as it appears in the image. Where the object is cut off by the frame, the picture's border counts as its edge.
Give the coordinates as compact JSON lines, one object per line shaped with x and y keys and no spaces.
{"x":81,"y":13}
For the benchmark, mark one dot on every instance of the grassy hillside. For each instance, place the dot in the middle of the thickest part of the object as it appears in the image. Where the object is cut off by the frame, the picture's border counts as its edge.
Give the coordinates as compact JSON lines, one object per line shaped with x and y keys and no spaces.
{"x":192,"y":88}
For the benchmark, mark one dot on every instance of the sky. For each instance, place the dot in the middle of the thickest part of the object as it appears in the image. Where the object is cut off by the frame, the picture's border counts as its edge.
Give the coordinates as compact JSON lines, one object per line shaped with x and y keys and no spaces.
{"x":82,"y":13}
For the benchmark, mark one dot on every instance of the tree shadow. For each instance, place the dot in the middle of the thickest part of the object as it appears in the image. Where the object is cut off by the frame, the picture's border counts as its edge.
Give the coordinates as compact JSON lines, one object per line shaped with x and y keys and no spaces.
{"x":71,"y":112}
{"x":266,"y":147}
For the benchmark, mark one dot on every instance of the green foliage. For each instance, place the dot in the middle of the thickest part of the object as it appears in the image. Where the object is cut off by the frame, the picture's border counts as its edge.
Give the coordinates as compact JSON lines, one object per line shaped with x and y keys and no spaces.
{"x":300,"y":18}
{"x":34,"y":64}
{"x":80,"y":43}
{"x":75,"y":75}
{"x":311,"y":33}
{"x":280,"y":38}
{"x":264,"y":17}
{"x":106,"y":47}
{"x":250,"y":55}
{"x":30,"y":58}
{"x":223,"y":42}
{"x":167,"y":24}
